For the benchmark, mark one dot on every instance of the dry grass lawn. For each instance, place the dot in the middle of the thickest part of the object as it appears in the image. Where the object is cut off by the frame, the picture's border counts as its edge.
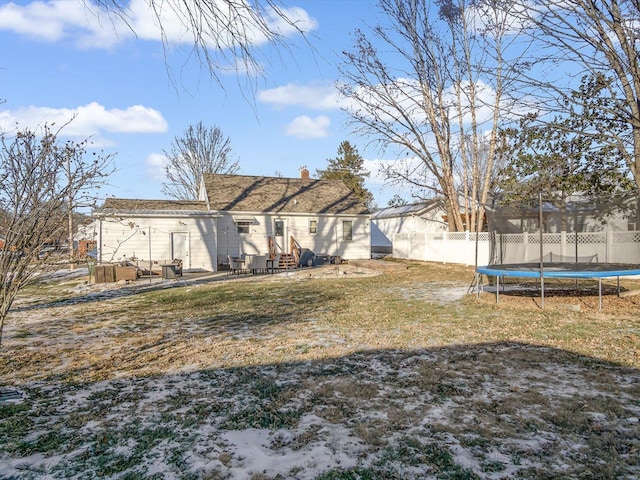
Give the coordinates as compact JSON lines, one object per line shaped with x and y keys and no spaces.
{"x":322,"y":374}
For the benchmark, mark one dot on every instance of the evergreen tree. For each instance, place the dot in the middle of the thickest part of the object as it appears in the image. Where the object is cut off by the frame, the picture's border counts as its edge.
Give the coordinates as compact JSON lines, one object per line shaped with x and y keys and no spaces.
{"x":348,"y":167}
{"x":397,"y":201}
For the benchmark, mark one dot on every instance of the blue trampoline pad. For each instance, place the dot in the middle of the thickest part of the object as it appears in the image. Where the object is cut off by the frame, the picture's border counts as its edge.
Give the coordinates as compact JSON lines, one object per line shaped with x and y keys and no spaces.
{"x":560,"y":270}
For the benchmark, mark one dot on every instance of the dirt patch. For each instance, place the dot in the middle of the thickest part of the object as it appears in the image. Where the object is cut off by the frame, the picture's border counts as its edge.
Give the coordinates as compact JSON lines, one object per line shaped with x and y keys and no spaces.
{"x":566,"y":295}
{"x":380,"y":265}
{"x":343,"y":271}
{"x":431,"y":292}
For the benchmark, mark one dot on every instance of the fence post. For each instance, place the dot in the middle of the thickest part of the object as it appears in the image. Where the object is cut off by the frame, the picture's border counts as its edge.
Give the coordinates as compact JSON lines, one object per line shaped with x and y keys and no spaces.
{"x":467,"y":245}
{"x":445,"y":241}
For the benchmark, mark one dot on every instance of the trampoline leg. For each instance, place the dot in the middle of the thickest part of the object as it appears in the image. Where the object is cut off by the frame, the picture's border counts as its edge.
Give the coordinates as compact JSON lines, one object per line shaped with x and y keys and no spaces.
{"x":599,"y":293}
{"x":497,"y":288}
{"x":618,"y":285}
{"x":542,"y":292}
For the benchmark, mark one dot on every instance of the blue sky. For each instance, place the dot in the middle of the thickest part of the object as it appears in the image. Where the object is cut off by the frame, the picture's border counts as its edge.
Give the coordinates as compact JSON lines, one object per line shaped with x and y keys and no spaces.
{"x":59,"y":59}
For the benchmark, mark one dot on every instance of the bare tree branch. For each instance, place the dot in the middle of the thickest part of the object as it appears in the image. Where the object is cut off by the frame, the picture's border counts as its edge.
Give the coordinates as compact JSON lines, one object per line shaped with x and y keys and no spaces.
{"x":442,"y":88}
{"x":587,"y":38}
{"x":225,"y":34}
{"x":200,"y":150}
{"x":40,"y":179}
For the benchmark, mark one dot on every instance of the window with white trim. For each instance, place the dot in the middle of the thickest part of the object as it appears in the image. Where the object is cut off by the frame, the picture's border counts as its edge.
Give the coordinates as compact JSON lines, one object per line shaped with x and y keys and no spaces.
{"x":243,"y":226}
{"x":278,"y":228}
{"x":313,"y":227}
{"x":347,"y":230}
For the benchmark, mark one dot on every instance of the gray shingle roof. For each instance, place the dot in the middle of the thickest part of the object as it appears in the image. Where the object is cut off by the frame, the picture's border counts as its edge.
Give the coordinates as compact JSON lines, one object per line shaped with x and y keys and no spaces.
{"x":407,"y":210}
{"x":242,"y":193}
{"x":130,"y":204}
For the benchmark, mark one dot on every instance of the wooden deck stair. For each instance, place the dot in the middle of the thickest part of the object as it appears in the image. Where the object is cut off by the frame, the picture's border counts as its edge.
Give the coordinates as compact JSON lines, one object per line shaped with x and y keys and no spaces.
{"x":287,"y":261}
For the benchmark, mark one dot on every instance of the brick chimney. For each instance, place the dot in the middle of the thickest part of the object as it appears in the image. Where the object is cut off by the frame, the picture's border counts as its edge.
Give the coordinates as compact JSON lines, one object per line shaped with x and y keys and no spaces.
{"x":304,"y":173}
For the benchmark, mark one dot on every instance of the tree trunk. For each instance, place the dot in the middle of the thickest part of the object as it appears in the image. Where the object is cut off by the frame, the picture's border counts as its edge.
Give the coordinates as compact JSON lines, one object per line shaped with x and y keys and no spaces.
{"x":3,"y":315}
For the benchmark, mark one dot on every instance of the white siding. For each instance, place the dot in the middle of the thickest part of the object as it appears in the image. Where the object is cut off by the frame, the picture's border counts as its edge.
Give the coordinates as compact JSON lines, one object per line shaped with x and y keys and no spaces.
{"x":410,"y":224}
{"x":149,"y":238}
{"x":328,"y":239}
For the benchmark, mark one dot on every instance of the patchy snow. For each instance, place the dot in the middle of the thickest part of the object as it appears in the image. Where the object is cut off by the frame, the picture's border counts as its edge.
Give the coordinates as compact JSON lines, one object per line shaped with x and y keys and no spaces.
{"x":258,"y":456}
{"x":205,"y":422}
{"x":490,"y":411}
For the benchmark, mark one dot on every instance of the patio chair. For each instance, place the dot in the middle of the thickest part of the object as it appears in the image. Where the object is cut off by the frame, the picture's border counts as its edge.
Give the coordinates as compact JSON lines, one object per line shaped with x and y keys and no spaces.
{"x":177,"y":262}
{"x":236,"y":265}
{"x":256,"y":263}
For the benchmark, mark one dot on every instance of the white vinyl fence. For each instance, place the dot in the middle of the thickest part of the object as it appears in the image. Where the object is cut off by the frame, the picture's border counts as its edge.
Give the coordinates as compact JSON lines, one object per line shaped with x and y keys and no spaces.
{"x":445,"y":247}
{"x":461,"y":247}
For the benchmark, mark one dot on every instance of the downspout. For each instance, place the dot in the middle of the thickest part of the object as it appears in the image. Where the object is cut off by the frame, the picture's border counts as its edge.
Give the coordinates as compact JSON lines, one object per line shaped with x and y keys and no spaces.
{"x":100,"y":241}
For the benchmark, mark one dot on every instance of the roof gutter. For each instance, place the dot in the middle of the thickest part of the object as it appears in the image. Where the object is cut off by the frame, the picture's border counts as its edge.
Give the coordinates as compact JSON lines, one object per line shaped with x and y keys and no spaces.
{"x":154,"y":213}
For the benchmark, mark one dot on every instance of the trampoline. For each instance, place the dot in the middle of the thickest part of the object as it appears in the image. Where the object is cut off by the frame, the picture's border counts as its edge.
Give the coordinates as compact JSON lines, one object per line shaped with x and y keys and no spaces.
{"x":560,"y":270}
{"x":573,"y":237}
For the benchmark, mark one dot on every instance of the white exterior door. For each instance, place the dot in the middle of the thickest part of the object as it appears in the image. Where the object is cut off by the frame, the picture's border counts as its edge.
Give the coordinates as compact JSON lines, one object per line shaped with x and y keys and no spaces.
{"x":180,"y":247}
{"x":279,"y":232}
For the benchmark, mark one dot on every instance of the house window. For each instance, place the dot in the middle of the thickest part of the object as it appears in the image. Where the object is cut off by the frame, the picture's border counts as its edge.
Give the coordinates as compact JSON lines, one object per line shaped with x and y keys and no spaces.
{"x":347,"y":230}
{"x":313,"y":227}
{"x":243,"y":227}
{"x":279,"y":228}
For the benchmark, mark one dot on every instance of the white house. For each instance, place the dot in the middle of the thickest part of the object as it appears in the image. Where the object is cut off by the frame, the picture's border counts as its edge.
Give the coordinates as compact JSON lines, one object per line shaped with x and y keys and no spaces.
{"x":236,"y":215}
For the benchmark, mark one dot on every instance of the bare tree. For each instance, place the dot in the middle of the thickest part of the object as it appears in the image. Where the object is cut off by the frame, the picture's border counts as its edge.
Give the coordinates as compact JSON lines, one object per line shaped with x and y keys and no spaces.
{"x":226,"y":34}
{"x":589,"y":38}
{"x":438,"y":94}
{"x":39,"y":175}
{"x":198,"y":151}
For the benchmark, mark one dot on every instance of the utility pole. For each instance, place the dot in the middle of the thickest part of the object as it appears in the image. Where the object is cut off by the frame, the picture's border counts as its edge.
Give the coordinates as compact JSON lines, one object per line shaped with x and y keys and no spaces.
{"x":70,"y":210}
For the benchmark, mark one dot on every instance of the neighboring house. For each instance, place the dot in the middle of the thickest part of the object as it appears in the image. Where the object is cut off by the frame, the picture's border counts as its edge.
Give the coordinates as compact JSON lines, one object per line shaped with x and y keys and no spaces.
{"x":577,"y":212}
{"x":423,"y":217}
{"x":236,"y":215}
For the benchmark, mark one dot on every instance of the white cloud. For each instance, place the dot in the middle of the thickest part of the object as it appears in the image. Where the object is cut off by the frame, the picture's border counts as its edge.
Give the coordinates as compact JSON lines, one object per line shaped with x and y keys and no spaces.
{"x":304,"y":127}
{"x":155,"y":166}
{"x":297,"y":20}
{"x":374,"y":167}
{"x":384,"y":189}
{"x":323,"y":97}
{"x":511,"y":19}
{"x":44,"y":20}
{"x":285,"y":22}
{"x":93,"y":27}
{"x":87,"y":120}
